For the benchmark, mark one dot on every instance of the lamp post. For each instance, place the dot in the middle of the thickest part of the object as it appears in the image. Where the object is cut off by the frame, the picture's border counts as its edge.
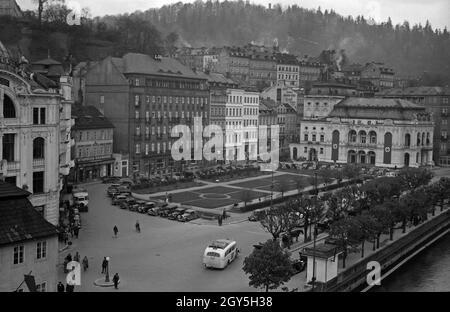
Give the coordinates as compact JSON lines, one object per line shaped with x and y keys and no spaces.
{"x":107,"y":270}
{"x":313,"y":279}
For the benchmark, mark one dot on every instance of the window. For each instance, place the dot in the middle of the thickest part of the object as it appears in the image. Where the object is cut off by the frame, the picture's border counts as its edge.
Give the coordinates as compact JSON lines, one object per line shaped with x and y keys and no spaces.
{"x":39,"y":116}
{"x":8,"y":107}
{"x":137,"y":100}
{"x":42,"y":287}
{"x":137,"y":114}
{"x":322,"y":138}
{"x":8,"y":147}
{"x":18,"y":254}
{"x":314,"y":138}
{"x":444,"y":122}
{"x":38,"y":148}
{"x":102,"y":99}
{"x":38,"y":182}
{"x":321,"y":150}
{"x":305,"y":150}
{"x":137,"y":82}
{"x":41,"y":250}
{"x":138,"y":148}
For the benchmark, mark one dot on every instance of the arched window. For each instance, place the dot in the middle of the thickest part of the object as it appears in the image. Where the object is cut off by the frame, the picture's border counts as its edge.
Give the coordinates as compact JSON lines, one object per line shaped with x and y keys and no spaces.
{"x":423,"y":138}
{"x":351,"y":158}
{"x":407,"y":139}
{"x":9,"y":110}
{"x":428,"y":138}
{"x":418,"y":139}
{"x":38,"y":148}
{"x":362,"y":137}
{"x":352,"y":136}
{"x":373,"y":137}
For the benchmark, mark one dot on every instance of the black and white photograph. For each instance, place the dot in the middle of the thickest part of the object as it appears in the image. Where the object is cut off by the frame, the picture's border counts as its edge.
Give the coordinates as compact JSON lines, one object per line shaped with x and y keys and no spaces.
{"x":243,"y":149}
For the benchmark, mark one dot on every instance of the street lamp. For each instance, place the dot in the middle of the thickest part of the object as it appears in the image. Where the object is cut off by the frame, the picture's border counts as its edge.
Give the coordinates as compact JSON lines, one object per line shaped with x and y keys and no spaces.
{"x":107,"y":270}
{"x":313,"y":279}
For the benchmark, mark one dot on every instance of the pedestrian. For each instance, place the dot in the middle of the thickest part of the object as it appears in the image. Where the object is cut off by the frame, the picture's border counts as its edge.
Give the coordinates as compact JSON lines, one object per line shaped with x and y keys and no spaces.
{"x":85,"y":263}
{"x":70,"y":288}
{"x":116,"y":230}
{"x":76,"y":231}
{"x":104,"y":265}
{"x":69,"y":257}
{"x":76,"y":257}
{"x":224,"y":213}
{"x":138,"y":227}
{"x":60,"y":287}
{"x":65,"y":236}
{"x":219,"y":220}
{"x":116,"y":280}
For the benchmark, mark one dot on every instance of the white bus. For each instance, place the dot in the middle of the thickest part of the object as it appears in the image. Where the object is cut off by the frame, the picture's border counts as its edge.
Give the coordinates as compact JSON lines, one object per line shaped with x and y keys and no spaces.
{"x":220,"y":253}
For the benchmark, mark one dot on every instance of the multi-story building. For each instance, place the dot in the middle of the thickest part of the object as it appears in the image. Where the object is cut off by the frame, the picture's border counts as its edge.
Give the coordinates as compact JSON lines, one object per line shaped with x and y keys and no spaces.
{"x":145,"y":97}
{"x":369,"y":131}
{"x":28,"y":243}
{"x":281,"y":94}
{"x":437,"y":101}
{"x":93,"y":136}
{"x":381,"y":76}
{"x":201,"y":59}
{"x":251,"y":123}
{"x":233,"y":63}
{"x":241,"y":124}
{"x":287,"y":71}
{"x":35,"y":122}
{"x":268,"y":117}
{"x":309,"y":70}
{"x":287,"y":120}
{"x":262,"y":69}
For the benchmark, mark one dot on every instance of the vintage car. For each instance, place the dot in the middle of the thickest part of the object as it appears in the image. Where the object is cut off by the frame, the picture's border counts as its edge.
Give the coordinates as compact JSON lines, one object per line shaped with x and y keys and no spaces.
{"x":188,"y":215}
{"x":176,"y":212}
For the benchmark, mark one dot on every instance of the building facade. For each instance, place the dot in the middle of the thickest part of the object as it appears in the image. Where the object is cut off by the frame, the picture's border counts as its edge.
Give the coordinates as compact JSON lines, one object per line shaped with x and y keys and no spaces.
{"x":288,"y":73}
{"x":28,"y":243}
{"x":381,"y":76}
{"x":145,"y":97}
{"x":93,"y":150}
{"x":437,"y":101}
{"x":35,"y":138}
{"x":378,"y":132}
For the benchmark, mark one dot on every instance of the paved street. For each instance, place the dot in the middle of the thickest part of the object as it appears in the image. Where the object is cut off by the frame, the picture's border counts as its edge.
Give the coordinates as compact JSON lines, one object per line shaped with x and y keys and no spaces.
{"x":165,"y":256}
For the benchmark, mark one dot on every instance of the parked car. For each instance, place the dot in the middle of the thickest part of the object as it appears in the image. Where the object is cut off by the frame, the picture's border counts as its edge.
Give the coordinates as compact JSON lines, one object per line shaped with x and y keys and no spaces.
{"x":133,"y":207}
{"x":154,"y":211}
{"x":299,"y":265}
{"x":146,"y":207}
{"x":176,"y":212}
{"x":108,"y":180}
{"x":256,"y":215}
{"x":167,"y":210}
{"x":188,"y":215}
{"x":119,"y":199}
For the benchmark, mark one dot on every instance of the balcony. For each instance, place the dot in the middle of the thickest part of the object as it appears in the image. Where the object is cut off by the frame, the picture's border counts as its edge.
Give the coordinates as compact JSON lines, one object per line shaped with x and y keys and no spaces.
{"x":38,"y":163}
{"x":362,"y":145}
{"x":13,"y":166}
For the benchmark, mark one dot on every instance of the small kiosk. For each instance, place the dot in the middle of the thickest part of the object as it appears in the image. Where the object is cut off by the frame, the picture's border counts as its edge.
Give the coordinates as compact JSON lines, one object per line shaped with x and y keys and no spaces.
{"x":322,"y":263}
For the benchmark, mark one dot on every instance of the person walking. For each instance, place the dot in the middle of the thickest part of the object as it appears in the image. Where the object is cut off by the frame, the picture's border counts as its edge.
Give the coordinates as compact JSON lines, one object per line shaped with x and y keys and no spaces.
{"x":138,"y":227}
{"x":104,"y":265}
{"x":85,"y":263}
{"x":76,"y":257}
{"x":76,"y":231}
{"x":116,"y":280}
{"x":60,"y":287}
{"x":219,"y":220}
{"x":116,"y":230}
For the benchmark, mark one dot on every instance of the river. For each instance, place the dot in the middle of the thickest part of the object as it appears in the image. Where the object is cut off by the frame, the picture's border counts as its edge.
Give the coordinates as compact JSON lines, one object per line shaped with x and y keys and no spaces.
{"x":429,"y":271}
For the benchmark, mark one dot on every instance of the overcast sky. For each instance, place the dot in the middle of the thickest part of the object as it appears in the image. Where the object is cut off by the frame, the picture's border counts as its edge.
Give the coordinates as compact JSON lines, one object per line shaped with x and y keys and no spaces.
{"x":415,"y":11}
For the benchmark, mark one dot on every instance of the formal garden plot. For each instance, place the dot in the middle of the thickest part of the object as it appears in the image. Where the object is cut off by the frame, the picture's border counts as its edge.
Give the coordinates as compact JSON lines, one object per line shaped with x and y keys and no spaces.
{"x":285,"y":182}
{"x":215,"y":197}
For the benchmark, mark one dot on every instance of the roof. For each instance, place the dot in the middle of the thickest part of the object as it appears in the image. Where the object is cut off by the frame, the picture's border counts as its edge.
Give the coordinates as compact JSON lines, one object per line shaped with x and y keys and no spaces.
{"x":324,"y":251}
{"x":7,"y":190}
{"x":352,"y":68}
{"x":47,"y":61}
{"x":136,"y":63}
{"x":19,"y":221}
{"x":376,"y":108}
{"x":89,"y":117}
{"x":216,"y":78}
{"x":415,"y":91}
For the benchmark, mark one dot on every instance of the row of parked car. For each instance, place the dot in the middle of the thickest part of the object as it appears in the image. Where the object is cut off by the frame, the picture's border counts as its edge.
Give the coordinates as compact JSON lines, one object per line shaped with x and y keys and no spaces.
{"x":123,"y":199}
